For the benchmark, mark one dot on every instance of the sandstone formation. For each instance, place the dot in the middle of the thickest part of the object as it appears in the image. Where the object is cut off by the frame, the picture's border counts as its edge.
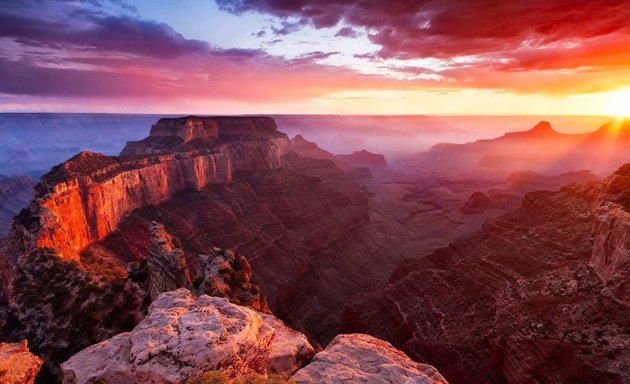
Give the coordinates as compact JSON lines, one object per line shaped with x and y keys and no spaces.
{"x":477,"y":203}
{"x":83,"y":200}
{"x":611,"y":248}
{"x":357,"y":358}
{"x":183,"y":336}
{"x":538,"y":295}
{"x":309,"y":149}
{"x":17,"y":364}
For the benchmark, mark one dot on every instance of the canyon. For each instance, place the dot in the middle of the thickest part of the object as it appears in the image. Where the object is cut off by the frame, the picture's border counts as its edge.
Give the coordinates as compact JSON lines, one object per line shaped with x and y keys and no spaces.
{"x":233,"y":183}
{"x":538,"y":295}
{"x":464,"y":264}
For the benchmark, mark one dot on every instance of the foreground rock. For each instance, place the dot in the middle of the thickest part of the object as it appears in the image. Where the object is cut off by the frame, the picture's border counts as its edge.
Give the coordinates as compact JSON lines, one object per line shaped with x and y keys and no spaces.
{"x":17,"y":364}
{"x":357,"y":358}
{"x":183,"y":337}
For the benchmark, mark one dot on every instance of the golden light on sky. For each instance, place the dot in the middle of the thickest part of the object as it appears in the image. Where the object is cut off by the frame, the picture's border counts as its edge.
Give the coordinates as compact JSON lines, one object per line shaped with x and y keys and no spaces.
{"x":618,"y":103}
{"x":565,"y":57}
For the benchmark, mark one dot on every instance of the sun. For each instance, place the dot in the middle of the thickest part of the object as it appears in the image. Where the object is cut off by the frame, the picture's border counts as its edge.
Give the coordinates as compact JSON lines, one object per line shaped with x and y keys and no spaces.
{"x":618,"y":103}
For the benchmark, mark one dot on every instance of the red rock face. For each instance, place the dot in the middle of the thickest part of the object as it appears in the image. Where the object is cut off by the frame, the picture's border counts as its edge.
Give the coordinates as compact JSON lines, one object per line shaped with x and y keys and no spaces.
{"x":538,"y":296}
{"x":83,"y":200}
{"x":17,"y":364}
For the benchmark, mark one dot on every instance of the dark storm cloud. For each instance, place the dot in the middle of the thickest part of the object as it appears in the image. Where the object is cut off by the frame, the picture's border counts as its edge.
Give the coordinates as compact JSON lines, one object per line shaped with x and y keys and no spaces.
{"x":448,"y":28}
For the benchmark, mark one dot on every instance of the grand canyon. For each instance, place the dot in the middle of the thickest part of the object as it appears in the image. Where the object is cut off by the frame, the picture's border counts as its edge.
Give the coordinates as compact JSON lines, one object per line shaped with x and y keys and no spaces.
{"x":309,"y":192}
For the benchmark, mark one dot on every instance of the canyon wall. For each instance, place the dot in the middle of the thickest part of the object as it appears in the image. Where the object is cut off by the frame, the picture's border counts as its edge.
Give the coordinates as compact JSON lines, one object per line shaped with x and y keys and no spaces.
{"x":539,"y":295}
{"x":83,"y":200}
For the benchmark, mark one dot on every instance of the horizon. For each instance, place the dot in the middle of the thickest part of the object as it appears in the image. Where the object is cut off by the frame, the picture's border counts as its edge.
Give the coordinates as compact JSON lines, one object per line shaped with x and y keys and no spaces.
{"x":310,"y":57}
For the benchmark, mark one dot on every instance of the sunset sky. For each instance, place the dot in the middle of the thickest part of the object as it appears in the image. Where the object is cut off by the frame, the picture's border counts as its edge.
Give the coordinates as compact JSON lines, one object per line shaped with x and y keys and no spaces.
{"x":539,"y":57}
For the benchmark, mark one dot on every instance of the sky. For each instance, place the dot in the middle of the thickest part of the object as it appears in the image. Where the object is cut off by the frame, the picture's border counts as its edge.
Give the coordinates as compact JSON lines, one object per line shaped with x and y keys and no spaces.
{"x":463,"y":57}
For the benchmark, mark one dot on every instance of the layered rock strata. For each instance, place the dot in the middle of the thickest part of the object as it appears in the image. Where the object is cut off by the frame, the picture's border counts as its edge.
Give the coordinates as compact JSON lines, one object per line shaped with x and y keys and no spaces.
{"x":537,"y":296}
{"x":83,"y":200}
{"x":87,"y":234}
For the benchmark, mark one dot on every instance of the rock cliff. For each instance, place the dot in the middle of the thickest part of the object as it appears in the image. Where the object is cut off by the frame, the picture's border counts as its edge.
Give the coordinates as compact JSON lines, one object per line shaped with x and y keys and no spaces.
{"x":166,"y":264}
{"x":17,"y":364}
{"x":611,"y":248}
{"x":538,"y":295}
{"x":83,"y":200}
{"x":364,"y":158}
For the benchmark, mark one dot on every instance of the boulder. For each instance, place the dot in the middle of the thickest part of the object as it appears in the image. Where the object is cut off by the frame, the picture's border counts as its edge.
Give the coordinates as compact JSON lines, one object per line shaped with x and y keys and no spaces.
{"x":358,"y":358}
{"x":182,"y":337}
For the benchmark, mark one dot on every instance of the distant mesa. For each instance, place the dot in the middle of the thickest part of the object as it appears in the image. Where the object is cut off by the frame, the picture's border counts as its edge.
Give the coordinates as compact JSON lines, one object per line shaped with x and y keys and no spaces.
{"x":540,"y":149}
{"x":364,"y":158}
{"x":309,"y":149}
{"x":188,"y":133}
{"x":477,"y":203}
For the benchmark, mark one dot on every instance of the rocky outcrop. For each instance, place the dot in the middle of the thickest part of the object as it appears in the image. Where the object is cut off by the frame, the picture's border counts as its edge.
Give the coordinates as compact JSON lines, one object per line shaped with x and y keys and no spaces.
{"x":536,"y":296}
{"x":183,"y":336}
{"x":166,"y":264}
{"x":83,"y":200}
{"x":219,"y":272}
{"x":224,"y":273}
{"x":188,"y":133}
{"x":357,"y":358}
{"x":15,"y":194}
{"x":17,"y":364}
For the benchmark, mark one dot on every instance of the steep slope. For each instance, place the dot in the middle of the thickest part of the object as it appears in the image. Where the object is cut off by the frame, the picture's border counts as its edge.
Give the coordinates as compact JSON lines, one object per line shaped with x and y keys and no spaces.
{"x":231,"y":183}
{"x":15,"y":193}
{"x":537,"y":296}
